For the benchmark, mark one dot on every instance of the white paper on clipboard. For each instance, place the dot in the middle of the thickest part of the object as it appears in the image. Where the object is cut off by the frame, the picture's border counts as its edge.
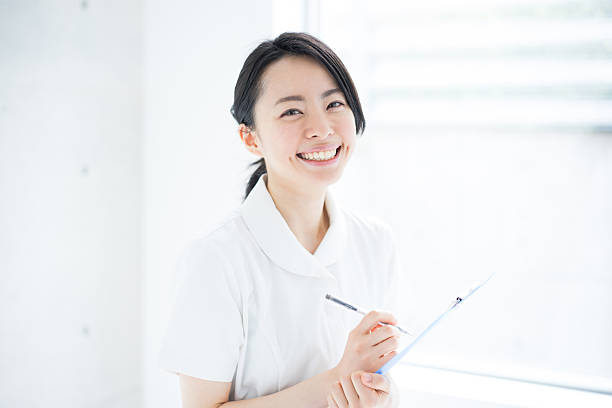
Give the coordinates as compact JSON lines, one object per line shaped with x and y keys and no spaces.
{"x":460,"y":299}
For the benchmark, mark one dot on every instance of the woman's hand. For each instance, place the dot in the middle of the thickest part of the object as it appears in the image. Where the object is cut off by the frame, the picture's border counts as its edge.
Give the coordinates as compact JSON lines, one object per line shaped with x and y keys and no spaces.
{"x":362,"y":390}
{"x":369,"y":345}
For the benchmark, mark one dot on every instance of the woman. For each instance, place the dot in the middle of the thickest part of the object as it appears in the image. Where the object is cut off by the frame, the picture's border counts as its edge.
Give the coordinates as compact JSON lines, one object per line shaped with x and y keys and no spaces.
{"x":251,"y":324}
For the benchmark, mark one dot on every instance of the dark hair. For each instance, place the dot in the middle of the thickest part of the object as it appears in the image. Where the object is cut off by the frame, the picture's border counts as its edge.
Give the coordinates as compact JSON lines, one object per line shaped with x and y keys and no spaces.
{"x":248,"y":85}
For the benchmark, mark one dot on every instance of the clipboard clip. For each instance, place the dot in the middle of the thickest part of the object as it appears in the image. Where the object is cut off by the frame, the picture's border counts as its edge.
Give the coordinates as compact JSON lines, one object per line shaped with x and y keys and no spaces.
{"x":465,"y":295}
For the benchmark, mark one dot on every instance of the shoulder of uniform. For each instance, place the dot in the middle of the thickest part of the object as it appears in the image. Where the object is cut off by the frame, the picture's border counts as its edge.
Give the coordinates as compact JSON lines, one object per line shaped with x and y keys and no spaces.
{"x":217,"y":243}
{"x":367,"y":223}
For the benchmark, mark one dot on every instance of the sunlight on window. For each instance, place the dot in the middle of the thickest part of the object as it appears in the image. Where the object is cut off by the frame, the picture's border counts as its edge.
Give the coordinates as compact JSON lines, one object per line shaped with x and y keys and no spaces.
{"x":488,"y":148}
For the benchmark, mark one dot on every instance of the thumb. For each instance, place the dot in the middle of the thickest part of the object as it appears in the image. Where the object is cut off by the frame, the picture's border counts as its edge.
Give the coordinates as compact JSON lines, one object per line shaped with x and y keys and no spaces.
{"x":375,"y":381}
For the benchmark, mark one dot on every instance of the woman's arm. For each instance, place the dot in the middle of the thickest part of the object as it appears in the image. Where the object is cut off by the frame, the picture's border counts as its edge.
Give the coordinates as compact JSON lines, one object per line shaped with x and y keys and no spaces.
{"x":369,"y":346}
{"x":197,"y":393}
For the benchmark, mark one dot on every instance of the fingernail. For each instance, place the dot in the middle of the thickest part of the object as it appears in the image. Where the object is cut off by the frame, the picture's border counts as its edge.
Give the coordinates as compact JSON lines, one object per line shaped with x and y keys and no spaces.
{"x":367,"y":378}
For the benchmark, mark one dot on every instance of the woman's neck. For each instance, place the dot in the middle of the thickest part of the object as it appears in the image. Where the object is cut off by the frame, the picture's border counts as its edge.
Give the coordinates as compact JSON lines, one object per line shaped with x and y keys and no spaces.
{"x":304,"y":212}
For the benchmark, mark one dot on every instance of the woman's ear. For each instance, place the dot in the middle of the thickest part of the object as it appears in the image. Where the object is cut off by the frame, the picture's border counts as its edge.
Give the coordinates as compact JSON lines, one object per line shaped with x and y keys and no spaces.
{"x":250,"y":140}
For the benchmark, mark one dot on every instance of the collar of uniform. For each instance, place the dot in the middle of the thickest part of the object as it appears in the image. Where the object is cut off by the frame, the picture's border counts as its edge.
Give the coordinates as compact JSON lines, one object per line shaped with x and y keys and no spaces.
{"x":273,"y":235}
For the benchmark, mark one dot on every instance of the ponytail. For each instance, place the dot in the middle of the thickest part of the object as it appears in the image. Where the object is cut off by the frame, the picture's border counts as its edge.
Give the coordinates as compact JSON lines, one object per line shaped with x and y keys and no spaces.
{"x":261,"y":169}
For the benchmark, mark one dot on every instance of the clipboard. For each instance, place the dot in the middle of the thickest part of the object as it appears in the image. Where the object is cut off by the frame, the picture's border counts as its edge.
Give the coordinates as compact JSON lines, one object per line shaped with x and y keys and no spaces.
{"x":458,"y":300}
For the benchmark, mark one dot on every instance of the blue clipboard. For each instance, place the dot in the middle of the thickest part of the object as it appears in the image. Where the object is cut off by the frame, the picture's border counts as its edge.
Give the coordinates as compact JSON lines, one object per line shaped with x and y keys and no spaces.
{"x":460,"y":299}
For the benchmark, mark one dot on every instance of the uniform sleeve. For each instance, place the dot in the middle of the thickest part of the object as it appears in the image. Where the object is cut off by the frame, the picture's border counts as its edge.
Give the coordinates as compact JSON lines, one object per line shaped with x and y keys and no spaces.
{"x":205,"y":332}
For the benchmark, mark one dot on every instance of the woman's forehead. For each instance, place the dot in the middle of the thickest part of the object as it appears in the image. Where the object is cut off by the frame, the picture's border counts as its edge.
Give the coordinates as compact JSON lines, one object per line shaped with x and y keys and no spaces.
{"x":295,"y":75}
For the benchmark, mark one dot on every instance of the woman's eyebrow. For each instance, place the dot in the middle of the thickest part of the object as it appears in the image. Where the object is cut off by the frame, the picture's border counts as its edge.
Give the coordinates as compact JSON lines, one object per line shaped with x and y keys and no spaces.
{"x":301,"y":98}
{"x":329,"y":92}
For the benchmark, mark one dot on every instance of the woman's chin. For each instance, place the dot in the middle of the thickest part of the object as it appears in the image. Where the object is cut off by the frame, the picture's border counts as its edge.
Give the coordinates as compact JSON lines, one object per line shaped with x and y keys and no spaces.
{"x":323,"y":179}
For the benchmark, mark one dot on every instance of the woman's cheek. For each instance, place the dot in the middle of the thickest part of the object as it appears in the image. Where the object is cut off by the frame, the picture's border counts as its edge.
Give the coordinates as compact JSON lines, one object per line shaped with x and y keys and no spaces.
{"x":348,"y":134}
{"x":288,"y":140}
{"x":288,"y":132}
{"x":347,"y":124}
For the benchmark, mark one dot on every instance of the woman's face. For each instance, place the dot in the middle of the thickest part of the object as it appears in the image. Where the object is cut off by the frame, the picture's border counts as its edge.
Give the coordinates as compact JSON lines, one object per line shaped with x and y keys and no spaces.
{"x":304,"y":128}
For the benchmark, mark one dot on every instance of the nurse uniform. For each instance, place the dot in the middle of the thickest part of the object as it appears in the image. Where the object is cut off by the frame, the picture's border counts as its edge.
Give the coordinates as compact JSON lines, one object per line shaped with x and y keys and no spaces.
{"x":251,"y":306}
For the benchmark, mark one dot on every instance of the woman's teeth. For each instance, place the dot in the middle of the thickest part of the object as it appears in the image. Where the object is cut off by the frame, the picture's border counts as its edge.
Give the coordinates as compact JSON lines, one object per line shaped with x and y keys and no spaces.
{"x":324,"y":155}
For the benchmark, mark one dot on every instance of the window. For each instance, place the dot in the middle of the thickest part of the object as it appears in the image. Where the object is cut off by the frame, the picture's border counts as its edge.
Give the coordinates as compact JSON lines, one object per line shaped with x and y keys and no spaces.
{"x":488,"y":147}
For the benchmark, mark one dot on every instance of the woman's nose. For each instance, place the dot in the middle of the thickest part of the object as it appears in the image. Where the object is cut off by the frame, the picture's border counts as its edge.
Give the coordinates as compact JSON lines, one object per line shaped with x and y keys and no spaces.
{"x":318,"y":125}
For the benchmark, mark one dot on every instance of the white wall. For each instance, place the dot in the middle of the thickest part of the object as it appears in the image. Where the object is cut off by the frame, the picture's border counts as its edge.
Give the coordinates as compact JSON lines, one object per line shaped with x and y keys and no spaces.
{"x":70,"y":203}
{"x":194,"y":162}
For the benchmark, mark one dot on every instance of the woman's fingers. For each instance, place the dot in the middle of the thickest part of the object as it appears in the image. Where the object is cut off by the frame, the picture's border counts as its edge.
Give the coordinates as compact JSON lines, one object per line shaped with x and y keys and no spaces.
{"x":381,"y":334}
{"x":384,"y":360}
{"x":365,"y":351}
{"x":349,"y":391}
{"x":386,"y":346}
{"x":368,"y":397}
{"x":376,"y":382}
{"x":338,"y":396}
{"x":331,"y":403}
{"x":359,"y":389}
{"x":371,"y":319}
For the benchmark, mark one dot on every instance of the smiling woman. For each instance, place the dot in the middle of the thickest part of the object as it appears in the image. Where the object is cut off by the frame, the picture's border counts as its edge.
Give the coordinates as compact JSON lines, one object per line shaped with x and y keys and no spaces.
{"x":298,"y":135}
{"x":274,"y":73}
{"x":251,"y":324}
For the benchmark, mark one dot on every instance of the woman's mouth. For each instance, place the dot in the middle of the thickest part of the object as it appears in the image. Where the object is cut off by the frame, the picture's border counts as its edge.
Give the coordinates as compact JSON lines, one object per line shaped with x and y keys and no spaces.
{"x":321,"y":156}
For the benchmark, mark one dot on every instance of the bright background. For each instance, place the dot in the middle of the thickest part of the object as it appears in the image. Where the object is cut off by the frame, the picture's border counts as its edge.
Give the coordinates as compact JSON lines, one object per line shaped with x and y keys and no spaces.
{"x":488,"y":149}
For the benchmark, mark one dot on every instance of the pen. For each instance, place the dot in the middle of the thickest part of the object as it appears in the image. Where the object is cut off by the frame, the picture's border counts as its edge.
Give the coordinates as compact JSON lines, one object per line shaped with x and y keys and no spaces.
{"x":361,"y":312}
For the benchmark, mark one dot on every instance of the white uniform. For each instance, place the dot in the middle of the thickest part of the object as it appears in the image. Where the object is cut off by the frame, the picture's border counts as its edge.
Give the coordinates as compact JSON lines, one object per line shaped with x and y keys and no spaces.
{"x":251,"y":308}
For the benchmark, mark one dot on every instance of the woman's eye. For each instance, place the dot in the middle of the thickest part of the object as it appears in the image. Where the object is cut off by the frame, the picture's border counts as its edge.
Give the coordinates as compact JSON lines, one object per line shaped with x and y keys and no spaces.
{"x":290,"y":112}
{"x":335,"y":104}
